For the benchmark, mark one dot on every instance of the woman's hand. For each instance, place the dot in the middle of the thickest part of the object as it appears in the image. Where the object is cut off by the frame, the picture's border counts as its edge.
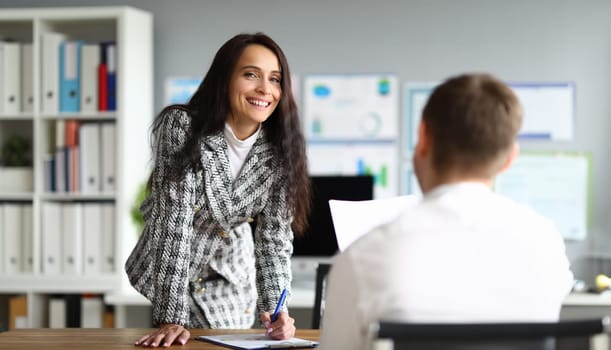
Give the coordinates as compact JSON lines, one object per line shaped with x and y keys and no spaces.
{"x":283,"y":328}
{"x":166,"y":335}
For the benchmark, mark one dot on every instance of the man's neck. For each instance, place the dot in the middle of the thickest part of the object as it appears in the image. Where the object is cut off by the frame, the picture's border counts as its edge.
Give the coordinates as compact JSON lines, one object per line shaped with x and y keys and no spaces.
{"x":450,"y":180}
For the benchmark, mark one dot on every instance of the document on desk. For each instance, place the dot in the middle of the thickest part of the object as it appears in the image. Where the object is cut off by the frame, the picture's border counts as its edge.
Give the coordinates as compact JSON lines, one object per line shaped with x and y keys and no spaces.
{"x":352,"y":219}
{"x":256,"y":341}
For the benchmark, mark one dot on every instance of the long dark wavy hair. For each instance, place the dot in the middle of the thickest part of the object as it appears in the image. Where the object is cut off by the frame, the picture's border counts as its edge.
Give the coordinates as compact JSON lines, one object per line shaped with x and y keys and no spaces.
{"x":209,"y":107}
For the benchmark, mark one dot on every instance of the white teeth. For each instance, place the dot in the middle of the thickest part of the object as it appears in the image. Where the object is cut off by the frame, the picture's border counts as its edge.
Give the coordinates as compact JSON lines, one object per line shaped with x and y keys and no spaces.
{"x":259,"y":103}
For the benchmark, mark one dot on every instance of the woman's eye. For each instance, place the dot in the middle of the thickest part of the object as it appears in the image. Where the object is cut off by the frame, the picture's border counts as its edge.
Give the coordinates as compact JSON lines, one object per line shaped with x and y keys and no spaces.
{"x":275,"y":80}
{"x":250,"y":75}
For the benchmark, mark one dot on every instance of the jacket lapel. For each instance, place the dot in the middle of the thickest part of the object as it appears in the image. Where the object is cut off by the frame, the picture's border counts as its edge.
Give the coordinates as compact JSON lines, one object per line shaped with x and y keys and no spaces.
{"x":228,"y":199}
{"x":256,"y":176}
{"x":217,"y":181}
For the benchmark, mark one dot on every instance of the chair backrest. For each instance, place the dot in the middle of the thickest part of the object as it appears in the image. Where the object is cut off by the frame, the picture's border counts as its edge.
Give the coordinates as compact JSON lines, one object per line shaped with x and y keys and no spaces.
{"x":319,"y":296}
{"x":565,"y":334}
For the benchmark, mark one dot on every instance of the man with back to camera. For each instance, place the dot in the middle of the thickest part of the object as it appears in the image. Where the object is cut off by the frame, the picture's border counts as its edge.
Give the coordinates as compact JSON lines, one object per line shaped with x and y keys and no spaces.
{"x":464,"y":253}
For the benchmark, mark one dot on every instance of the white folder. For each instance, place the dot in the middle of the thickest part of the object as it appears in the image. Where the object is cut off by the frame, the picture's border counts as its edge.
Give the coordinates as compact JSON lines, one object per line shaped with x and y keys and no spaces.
{"x":57,"y":313}
{"x":108,"y":151}
{"x":27,"y":247}
{"x":92,"y":312}
{"x":50,"y":71}
{"x":12,"y":238}
{"x":27,"y":78}
{"x":108,"y":237}
{"x":51,"y":238}
{"x":10,"y":93}
{"x":89,"y":137}
{"x":72,"y":238}
{"x":90,"y":61}
{"x":92,"y":238}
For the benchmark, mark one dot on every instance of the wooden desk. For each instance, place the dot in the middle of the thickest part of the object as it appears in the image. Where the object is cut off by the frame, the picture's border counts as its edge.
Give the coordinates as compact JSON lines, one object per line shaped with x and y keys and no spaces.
{"x":110,"y":338}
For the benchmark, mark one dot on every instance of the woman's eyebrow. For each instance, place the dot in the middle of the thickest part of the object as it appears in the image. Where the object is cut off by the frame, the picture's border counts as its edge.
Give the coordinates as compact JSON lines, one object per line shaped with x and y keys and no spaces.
{"x":258,"y":68}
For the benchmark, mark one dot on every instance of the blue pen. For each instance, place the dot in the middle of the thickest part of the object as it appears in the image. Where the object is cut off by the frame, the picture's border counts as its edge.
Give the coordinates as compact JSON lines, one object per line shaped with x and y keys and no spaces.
{"x":279,"y":305}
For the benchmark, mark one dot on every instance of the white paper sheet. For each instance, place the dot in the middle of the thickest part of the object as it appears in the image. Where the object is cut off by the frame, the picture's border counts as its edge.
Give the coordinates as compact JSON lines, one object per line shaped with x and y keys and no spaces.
{"x":256,"y":341}
{"x":352,"y":219}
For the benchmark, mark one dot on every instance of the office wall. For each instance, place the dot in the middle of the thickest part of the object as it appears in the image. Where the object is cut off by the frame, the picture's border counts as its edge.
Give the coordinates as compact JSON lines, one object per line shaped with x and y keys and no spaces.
{"x":418,"y":40}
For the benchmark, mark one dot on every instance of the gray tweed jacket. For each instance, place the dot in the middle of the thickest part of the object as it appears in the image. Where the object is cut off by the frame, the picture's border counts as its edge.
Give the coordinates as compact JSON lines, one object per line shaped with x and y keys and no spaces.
{"x":197,"y":259}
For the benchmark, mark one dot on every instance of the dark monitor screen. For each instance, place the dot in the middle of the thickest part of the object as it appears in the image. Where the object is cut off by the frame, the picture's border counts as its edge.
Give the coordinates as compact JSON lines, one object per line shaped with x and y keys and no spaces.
{"x":319,"y":238}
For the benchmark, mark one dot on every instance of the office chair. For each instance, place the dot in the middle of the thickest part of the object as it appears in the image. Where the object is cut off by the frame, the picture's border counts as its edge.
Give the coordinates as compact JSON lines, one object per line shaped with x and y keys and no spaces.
{"x":562,"y":335}
{"x":319,"y":297}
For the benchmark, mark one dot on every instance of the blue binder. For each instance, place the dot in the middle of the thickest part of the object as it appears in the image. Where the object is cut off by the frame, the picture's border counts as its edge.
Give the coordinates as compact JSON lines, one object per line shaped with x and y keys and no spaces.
{"x":69,"y":75}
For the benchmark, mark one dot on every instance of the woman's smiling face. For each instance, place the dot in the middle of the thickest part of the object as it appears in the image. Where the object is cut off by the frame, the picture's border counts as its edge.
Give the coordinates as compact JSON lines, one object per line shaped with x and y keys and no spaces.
{"x":254,"y":89}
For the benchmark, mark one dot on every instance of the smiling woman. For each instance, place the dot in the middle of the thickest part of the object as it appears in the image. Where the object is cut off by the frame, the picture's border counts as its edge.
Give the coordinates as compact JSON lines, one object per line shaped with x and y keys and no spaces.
{"x":254,"y":90}
{"x":222,"y":168}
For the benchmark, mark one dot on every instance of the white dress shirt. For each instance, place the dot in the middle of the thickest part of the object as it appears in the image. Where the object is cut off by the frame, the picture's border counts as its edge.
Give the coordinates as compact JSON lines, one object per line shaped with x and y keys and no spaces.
{"x":464,"y":254}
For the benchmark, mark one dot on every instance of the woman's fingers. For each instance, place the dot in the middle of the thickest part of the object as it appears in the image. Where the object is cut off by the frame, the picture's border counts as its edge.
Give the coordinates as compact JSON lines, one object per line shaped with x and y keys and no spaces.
{"x":165,"y":336}
{"x":283,"y":328}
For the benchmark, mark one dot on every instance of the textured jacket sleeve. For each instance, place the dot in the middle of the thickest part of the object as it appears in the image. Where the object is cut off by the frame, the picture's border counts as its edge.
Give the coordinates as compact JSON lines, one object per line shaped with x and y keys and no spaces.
{"x":170,"y":225}
{"x":273,"y":248}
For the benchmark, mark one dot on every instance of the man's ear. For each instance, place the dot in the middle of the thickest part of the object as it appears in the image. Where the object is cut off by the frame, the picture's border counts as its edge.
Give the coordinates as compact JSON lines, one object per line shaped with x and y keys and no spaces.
{"x":513,"y":154}
{"x":423,"y":145}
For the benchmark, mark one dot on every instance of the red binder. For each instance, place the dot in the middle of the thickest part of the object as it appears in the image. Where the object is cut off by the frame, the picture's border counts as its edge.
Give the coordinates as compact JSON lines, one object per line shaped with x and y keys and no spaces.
{"x":102,"y":87}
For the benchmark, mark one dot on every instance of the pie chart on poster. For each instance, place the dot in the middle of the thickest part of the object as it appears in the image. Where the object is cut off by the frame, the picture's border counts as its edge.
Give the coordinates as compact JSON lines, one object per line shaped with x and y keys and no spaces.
{"x":371,"y":124}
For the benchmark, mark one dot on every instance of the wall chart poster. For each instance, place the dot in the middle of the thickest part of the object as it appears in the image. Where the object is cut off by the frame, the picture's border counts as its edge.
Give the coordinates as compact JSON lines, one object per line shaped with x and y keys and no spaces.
{"x":351,"y":107}
{"x":555,"y":184}
{"x":379,"y":159}
{"x":549,"y":110}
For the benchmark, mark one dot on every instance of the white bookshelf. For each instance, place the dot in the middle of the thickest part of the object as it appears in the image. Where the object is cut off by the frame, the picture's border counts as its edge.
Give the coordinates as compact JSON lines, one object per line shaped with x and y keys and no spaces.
{"x":132,"y":31}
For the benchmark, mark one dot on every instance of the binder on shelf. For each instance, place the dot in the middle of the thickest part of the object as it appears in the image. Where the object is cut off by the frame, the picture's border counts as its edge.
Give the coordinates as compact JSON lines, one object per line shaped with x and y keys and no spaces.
{"x":1,"y":238}
{"x":61,"y":164}
{"x":73,"y":310}
{"x":18,"y":312}
{"x":12,"y":221}
{"x":92,"y":238}
{"x":27,"y":247}
{"x":61,"y":158}
{"x":90,"y":60}
{"x":10,"y":77}
{"x":102,"y":87}
{"x":72,"y":146}
{"x":51,"y":238}
{"x":109,"y":317}
{"x":89,"y":136}
{"x":74,"y":176}
{"x":69,"y":76}
{"x":27,"y":78}
{"x":108,"y":150}
{"x":57,"y":312}
{"x":49,"y":173}
{"x":50,"y":71}
{"x":72,"y":227}
{"x":108,"y":241}
{"x":71,"y":132}
{"x":92,"y":311}
{"x":109,"y":59}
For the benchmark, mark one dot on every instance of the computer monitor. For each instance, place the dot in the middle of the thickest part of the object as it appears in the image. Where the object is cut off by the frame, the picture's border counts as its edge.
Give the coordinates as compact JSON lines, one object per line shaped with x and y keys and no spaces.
{"x":318,"y":242}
